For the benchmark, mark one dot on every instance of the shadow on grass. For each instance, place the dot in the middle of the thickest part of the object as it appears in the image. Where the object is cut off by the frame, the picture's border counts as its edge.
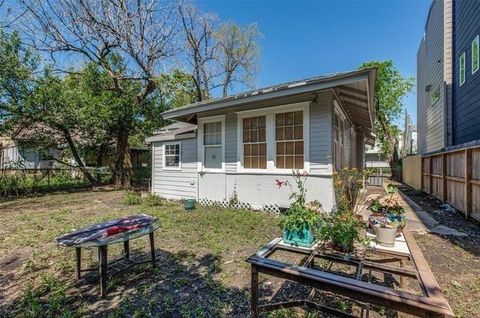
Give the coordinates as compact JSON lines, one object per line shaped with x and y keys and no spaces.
{"x":181,"y":285}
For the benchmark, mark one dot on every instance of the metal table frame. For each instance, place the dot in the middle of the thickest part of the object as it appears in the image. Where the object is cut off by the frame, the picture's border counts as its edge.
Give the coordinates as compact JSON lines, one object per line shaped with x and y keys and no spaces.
{"x":431,"y":304}
{"x":104,"y":265}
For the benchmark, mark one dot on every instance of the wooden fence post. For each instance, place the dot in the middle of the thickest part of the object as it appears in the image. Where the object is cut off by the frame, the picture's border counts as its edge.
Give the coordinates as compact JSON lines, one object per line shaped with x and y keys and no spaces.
{"x":468,"y":185}
{"x":430,"y":170}
{"x":444,"y":180}
{"x":422,"y":186}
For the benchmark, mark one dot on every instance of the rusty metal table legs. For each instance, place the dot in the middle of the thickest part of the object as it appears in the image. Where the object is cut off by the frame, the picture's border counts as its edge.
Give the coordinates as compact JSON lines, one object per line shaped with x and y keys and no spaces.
{"x":78,"y":254}
{"x":254,"y":292}
{"x":102,"y":269}
{"x":152,"y":249}
{"x":126,"y":249}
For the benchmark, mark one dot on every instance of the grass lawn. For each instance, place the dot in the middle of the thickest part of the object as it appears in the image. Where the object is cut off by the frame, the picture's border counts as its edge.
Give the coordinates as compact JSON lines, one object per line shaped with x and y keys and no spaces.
{"x":201,"y":268}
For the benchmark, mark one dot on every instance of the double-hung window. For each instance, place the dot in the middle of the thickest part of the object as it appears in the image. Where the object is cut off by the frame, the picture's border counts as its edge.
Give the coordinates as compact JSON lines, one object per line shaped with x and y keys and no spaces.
{"x":212,"y":145}
{"x":289,"y":140}
{"x":172,"y":156}
{"x":254,"y":143}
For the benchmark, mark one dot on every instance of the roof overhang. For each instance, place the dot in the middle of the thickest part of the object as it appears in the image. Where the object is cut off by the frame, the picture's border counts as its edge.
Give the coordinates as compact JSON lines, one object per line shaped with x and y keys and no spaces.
{"x":366,"y":78}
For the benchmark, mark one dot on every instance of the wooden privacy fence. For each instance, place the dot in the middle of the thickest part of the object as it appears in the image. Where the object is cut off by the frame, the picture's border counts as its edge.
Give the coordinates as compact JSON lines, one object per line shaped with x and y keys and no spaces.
{"x":411,"y":168}
{"x":454,"y":177}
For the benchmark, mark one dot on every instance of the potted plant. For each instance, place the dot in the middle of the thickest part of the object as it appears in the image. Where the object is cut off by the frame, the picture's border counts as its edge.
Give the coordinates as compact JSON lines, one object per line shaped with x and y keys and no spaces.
{"x":301,"y":218}
{"x":385,"y":232}
{"x":342,"y":229}
{"x":388,"y":207}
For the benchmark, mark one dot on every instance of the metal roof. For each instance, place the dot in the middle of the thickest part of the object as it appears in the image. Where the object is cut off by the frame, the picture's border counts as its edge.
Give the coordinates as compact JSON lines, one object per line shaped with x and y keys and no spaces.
{"x":279,"y":90}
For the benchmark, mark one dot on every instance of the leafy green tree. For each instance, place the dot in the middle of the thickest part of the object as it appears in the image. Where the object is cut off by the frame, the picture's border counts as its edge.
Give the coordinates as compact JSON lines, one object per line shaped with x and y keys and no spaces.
{"x":390,"y":89}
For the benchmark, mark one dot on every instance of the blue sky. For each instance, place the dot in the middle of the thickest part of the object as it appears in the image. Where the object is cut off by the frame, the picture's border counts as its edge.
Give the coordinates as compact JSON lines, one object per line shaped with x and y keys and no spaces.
{"x":308,"y":38}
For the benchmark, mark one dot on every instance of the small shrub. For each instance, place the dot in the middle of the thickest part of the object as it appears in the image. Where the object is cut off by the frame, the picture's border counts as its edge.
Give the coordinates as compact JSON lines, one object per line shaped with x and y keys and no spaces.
{"x":132,"y":198}
{"x":342,"y":229}
{"x":152,"y":200}
{"x":300,"y":213}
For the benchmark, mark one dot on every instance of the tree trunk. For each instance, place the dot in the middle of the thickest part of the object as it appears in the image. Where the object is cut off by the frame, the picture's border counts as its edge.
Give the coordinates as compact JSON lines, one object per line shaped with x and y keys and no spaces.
{"x":77,"y":158}
{"x":122,"y":174}
{"x":102,"y":151}
{"x":394,"y":159}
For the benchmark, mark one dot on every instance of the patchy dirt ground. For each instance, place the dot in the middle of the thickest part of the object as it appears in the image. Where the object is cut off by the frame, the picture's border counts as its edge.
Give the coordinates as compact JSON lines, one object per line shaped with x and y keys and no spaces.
{"x":455,"y":260}
{"x":201,"y":268}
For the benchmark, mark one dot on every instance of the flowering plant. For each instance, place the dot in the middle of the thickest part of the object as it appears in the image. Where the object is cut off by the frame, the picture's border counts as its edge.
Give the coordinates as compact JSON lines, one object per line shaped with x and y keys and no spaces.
{"x":300,"y":213}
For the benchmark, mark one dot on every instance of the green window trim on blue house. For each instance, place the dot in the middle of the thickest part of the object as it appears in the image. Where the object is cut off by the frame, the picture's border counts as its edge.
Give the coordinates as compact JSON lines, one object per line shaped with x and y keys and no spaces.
{"x":475,"y":55}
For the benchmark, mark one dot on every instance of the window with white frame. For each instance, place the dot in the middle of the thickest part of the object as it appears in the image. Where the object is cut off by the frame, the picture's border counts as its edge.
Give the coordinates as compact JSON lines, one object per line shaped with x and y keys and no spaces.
{"x":212,"y":145}
{"x":254,"y":142}
{"x":172,"y":156}
{"x":462,"y":69}
{"x":475,"y":55}
{"x":289,"y":140}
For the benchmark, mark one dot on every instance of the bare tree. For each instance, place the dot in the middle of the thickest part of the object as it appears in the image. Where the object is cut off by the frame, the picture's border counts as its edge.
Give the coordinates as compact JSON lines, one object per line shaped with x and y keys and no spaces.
{"x":140,"y":33}
{"x":238,"y":54}
{"x":198,"y":30}
{"x":219,"y":54}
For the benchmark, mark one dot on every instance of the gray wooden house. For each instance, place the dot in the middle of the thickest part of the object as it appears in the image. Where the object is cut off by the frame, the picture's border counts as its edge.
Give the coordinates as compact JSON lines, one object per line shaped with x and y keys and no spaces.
{"x":241,"y":145}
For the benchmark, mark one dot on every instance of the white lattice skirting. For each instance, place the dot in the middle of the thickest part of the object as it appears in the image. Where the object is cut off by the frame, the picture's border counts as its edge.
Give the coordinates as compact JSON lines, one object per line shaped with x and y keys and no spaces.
{"x":273,"y":208}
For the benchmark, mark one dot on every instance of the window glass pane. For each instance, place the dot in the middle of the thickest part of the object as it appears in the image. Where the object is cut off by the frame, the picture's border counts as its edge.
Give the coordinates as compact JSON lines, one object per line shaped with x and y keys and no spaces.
{"x":298,"y":162}
{"x":288,"y":133}
{"x":289,"y":148}
{"x":298,"y":134}
{"x":262,"y":162}
{"x":289,"y":119}
{"x":212,"y":133}
{"x":213,"y":157}
{"x":475,"y":54}
{"x":262,"y":149}
{"x":298,"y":118}
{"x":261,"y":135}
{"x":280,"y":119}
{"x":246,"y":150}
{"x":279,"y":134}
{"x":254,"y":145}
{"x":289,"y":162}
{"x":172,"y":155}
{"x":299,"y":148}
{"x":261,"y":122}
{"x":280,"y":148}
{"x":172,"y":161}
{"x":280,"y":162}
{"x":289,"y":127}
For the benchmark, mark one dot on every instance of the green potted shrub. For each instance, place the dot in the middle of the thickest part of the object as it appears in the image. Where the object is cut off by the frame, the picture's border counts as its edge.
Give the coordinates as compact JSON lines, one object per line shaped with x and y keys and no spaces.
{"x":342,"y":229}
{"x":301,"y":218}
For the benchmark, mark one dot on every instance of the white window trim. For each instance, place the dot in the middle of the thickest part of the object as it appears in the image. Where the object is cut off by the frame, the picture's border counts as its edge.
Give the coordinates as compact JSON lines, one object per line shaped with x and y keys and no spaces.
{"x":269,"y":114}
{"x":464,"y":69}
{"x":476,"y":39}
{"x":179,"y":143}
{"x":201,"y":152}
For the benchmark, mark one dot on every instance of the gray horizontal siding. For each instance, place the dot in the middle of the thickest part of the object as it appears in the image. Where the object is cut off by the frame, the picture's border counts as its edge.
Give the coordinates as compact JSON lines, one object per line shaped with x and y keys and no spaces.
{"x":321,"y":133}
{"x":176,"y":184}
{"x":431,"y":60}
{"x":231,"y":142}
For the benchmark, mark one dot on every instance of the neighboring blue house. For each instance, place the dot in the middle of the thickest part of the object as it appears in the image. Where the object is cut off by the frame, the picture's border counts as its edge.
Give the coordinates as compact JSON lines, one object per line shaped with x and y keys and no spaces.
{"x":448,"y":77}
{"x":241,"y":145}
